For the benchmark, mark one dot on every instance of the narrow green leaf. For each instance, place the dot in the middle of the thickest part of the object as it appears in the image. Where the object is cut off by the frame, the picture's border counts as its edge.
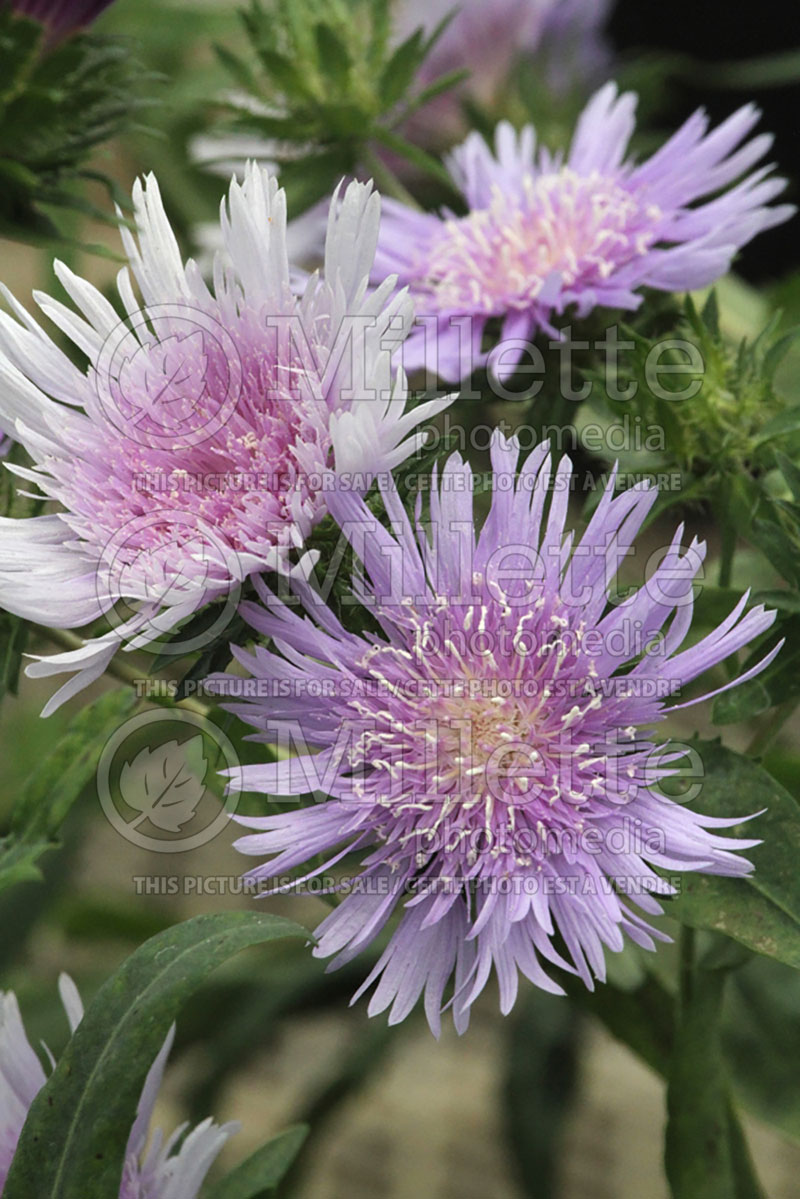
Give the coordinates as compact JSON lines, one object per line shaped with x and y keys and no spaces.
{"x":399,"y":71}
{"x":13,"y":639}
{"x":73,"y":1142}
{"x":790,"y":473}
{"x":414,"y":154}
{"x":264,"y":1169}
{"x":334,"y":58}
{"x":443,"y":84}
{"x":237,"y":68}
{"x":779,"y":426}
{"x":710,"y":313}
{"x":779,"y":549}
{"x":282,"y":71}
{"x":778,"y":351}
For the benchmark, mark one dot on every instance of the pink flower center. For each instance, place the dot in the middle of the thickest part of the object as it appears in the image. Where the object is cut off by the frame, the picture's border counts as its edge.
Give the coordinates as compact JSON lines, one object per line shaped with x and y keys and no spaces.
{"x":480,"y":740}
{"x":580,"y":228}
{"x":183,"y":443}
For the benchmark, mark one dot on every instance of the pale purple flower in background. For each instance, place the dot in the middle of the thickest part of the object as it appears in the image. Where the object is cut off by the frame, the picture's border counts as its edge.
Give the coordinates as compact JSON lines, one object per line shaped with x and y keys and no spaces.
{"x":188,"y":454}
{"x":157,"y":1172}
{"x":544,"y":234}
{"x":559,"y":39}
{"x":61,"y":17}
{"x":488,"y":751}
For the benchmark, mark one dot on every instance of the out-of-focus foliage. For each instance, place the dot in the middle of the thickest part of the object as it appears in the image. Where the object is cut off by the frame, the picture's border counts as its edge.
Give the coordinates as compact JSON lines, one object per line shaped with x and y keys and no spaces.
{"x":56,"y":106}
{"x":329,"y":83}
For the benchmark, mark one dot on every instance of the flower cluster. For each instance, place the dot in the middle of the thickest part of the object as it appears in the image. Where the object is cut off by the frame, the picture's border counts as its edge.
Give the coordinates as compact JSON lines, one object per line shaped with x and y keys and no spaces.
{"x":481,"y":724}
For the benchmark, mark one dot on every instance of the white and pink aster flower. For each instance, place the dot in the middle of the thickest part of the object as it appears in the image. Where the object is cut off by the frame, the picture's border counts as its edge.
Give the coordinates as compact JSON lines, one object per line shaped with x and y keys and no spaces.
{"x":544,"y":234}
{"x":488,"y":751}
{"x":189,"y":451}
{"x":158,"y":1173}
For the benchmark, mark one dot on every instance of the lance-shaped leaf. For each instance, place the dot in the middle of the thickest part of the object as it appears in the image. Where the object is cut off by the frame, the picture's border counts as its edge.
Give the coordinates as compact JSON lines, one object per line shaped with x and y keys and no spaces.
{"x":260,"y":1174}
{"x":74,"y":1140}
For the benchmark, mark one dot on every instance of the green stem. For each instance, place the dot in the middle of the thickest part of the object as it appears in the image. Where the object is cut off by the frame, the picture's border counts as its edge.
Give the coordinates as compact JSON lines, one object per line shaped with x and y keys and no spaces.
{"x":686,"y":969}
{"x":727,"y":552}
{"x":770,"y":728}
{"x":124,"y":673}
{"x":386,"y":180}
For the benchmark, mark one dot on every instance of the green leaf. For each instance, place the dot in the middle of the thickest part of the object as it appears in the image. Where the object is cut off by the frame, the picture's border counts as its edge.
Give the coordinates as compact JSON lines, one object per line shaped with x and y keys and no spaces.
{"x":283,"y":72}
{"x":264,"y":1169}
{"x":779,"y":426}
{"x":762,"y":910}
{"x":399,"y":71}
{"x":20,"y":39}
{"x":790,"y":473}
{"x":74,"y":1139}
{"x":443,"y":84}
{"x":55,"y":785}
{"x":237,"y":68}
{"x":334,"y":58}
{"x":741,"y":703}
{"x":414,"y":154}
{"x":710,"y":313}
{"x":776,"y":353}
{"x":778,"y":684}
{"x":748,"y":74}
{"x":729,"y":906}
{"x":761,"y":1034}
{"x":779,"y":549}
{"x":13,"y":639}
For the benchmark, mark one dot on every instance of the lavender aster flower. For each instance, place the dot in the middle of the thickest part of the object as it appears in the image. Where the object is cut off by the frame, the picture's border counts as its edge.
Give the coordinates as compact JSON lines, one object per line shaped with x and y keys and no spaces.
{"x":488,"y":749}
{"x":160,"y":1173}
{"x":189,"y":453}
{"x":544,"y":233}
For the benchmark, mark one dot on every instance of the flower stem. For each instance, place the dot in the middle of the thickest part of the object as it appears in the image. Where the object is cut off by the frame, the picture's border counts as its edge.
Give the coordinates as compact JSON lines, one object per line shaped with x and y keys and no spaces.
{"x":727,"y":552}
{"x":769,"y":730}
{"x":386,"y":180}
{"x":686,"y":973}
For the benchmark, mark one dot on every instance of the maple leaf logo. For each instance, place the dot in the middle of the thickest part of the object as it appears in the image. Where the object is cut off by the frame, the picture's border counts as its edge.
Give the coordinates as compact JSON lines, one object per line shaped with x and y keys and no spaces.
{"x":160,"y":784}
{"x":166,"y":383}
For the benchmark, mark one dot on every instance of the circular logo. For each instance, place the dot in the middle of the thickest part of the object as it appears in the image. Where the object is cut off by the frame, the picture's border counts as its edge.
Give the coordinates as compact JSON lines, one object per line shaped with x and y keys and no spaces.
{"x":151,"y":780}
{"x":160,"y":565}
{"x":169,"y":376}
